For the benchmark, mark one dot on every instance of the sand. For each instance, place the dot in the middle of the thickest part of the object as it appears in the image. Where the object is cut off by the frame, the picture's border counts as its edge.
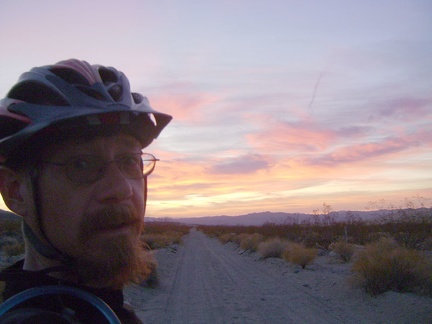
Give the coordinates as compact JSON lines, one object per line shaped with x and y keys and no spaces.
{"x":204,"y":281}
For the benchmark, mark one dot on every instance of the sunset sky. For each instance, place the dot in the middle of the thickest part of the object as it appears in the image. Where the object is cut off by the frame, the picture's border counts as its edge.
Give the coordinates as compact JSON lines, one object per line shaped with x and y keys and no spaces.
{"x":278,"y":105}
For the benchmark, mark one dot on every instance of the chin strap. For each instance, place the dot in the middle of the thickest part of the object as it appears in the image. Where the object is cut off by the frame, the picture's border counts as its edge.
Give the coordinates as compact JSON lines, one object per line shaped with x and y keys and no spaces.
{"x":47,"y":250}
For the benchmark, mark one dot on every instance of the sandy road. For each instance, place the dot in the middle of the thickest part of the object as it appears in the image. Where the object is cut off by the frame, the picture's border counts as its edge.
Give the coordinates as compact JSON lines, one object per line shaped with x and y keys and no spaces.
{"x":208,"y":283}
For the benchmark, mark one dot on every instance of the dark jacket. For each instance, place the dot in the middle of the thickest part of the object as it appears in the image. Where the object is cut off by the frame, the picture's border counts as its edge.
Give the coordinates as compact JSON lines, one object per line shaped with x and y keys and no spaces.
{"x":49,"y":309}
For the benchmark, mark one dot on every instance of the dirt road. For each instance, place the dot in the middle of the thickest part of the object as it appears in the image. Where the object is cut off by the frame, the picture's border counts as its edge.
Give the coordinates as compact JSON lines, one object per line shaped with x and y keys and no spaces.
{"x":207,"y":282}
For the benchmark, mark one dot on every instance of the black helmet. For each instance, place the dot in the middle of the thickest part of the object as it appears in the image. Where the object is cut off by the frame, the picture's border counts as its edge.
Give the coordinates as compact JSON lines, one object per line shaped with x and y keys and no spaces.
{"x":69,"y":95}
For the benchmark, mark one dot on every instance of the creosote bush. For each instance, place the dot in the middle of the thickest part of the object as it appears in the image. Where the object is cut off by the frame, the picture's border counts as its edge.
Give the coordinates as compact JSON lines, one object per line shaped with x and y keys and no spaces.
{"x":384,"y":266}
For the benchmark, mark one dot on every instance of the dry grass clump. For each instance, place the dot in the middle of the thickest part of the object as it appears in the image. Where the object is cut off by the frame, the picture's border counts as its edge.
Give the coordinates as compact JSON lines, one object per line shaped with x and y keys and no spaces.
{"x":343,"y":249}
{"x":384,"y":266}
{"x":158,"y":241}
{"x":251,"y":241}
{"x":271,"y":248}
{"x":227,"y":237}
{"x":161,"y":234}
{"x":299,"y":254}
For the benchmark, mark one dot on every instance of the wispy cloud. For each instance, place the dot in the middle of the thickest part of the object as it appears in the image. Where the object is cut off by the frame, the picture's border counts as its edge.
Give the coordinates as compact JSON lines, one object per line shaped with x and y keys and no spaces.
{"x":360,"y":152}
{"x":246,"y":164}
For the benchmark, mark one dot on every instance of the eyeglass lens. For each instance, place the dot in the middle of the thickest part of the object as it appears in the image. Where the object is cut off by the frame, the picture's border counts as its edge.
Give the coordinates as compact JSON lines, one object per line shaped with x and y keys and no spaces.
{"x":89,"y":168}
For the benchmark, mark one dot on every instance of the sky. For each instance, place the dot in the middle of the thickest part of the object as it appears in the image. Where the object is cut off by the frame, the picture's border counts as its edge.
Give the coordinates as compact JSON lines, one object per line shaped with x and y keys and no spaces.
{"x":278,"y":106}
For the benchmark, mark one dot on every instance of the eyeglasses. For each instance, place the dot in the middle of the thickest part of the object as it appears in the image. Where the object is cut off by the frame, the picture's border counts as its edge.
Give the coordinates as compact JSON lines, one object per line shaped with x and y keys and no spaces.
{"x":90,"y":168}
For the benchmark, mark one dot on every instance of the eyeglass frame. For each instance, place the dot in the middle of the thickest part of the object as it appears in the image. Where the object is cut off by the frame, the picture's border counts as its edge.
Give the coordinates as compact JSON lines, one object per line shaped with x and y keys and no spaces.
{"x":100,"y":168}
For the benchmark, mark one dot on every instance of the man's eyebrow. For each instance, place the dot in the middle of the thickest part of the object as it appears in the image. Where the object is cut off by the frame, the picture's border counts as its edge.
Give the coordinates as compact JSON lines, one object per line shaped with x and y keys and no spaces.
{"x":130,"y":142}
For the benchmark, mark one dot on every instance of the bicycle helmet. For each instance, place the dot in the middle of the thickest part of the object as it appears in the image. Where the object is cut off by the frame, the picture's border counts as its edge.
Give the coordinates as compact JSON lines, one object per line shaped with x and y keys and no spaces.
{"x":71,"y":95}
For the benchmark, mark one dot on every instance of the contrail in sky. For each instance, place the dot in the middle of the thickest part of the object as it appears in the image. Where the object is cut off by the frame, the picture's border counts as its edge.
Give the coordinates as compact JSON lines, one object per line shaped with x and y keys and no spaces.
{"x":314,"y":93}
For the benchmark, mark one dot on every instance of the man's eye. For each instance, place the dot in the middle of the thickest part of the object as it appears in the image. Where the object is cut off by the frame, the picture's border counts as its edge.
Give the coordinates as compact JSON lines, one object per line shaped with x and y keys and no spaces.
{"x":81,"y":164}
{"x":131,"y":160}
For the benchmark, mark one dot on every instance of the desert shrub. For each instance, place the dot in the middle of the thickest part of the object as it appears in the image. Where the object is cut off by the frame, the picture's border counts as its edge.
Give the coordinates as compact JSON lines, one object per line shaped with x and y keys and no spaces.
{"x":152,"y":280}
{"x":157,"y":241}
{"x":164,"y":227}
{"x":227,"y":237}
{"x":384,"y":266}
{"x":343,"y":249}
{"x":271,"y":248}
{"x":251,"y":241}
{"x":427,"y":244}
{"x":298,"y":254}
{"x":161,"y":234}
{"x":237,"y":238}
{"x":289,"y":247}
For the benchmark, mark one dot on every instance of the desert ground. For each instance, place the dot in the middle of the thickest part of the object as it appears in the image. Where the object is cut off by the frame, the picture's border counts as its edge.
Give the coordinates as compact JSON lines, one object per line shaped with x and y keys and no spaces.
{"x":204,"y":281}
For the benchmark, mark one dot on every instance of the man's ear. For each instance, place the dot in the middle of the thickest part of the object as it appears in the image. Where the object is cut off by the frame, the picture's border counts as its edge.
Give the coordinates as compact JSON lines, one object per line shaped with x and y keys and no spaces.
{"x":13,"y":188}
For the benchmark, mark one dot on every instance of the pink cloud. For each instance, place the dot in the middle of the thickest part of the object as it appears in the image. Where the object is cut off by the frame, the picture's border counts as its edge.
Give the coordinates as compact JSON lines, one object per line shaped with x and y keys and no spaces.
{"x":183,"y":101}
{"x":240,"y":165}
{"x":359,"y":152}
{"x":299,"y":136}
{"x":404,"y":109}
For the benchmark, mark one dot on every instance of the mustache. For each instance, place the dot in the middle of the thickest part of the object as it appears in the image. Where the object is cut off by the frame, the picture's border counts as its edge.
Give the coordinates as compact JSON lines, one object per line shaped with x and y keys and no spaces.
{"x":109,"y":218}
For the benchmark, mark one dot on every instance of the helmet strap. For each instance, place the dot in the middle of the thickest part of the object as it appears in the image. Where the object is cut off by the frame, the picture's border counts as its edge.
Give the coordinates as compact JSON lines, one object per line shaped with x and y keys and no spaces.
{"x":45,"y":249}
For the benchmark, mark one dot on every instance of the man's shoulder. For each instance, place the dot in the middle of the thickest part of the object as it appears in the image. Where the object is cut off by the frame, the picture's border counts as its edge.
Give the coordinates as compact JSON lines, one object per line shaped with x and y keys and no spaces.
{"x":16,"y":280}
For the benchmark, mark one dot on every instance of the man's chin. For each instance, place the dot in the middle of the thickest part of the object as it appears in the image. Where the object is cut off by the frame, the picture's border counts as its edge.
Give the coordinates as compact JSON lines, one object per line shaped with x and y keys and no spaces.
{"x":114,"y":261}
{"x":113,"y":232}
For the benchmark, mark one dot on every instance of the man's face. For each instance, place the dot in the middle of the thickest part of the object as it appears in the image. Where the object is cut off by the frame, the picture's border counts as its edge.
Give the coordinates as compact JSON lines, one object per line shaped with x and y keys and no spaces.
{"x":97,"y":223}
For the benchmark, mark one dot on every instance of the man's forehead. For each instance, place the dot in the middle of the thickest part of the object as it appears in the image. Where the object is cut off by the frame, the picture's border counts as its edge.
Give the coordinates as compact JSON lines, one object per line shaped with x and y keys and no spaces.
{"x":119,"y":140}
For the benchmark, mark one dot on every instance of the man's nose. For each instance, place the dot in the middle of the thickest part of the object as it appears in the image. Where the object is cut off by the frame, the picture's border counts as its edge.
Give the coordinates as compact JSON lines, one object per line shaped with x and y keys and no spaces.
{"x":114,"y":187}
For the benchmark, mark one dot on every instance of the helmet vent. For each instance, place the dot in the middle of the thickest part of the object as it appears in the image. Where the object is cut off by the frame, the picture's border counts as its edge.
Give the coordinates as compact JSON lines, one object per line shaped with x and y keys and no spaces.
{"x":111,"y":82}
{"x":138,"y":98}
{"x":107,"y":76}
{"x":116,"y":92}
{"x":70,"y":76}
{"x":37,"y":93}
{"x":91,"y":93}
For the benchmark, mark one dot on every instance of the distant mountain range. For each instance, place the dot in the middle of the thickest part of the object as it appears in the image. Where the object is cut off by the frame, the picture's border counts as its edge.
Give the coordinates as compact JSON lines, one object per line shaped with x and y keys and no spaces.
{"x":258,"y":219}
